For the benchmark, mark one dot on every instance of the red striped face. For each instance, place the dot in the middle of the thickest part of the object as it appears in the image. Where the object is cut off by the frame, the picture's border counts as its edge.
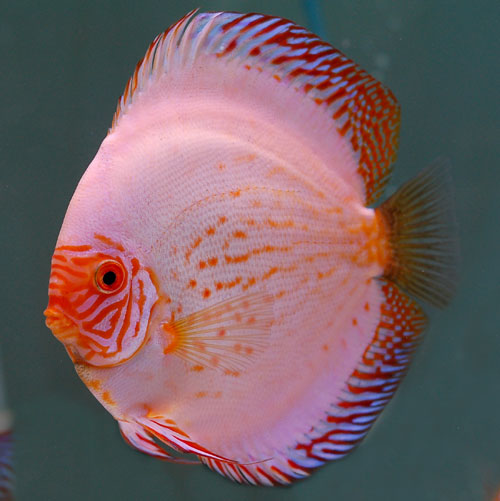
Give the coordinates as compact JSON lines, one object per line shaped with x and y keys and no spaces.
{"x":100,"y":303}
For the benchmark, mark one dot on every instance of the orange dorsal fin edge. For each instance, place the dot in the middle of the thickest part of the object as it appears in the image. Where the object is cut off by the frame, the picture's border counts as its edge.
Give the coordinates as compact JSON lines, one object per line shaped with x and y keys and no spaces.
{"x":365,"y":112}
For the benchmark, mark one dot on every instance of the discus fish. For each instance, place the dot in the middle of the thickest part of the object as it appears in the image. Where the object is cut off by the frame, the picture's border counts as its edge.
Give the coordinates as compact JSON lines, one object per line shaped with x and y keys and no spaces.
{"x":220,"y":281}
{"x":6,"y":443}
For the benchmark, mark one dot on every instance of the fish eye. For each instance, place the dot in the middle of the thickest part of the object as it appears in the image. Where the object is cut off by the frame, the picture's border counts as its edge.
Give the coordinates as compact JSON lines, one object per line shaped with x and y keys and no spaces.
{"x":109,"y":276}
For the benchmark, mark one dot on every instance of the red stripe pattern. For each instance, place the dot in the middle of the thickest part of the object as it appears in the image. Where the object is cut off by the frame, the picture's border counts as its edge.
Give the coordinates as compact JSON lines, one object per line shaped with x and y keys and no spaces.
{"x":103,"y":328}
{"x":369,"y":388}
{"x":365,"y":112}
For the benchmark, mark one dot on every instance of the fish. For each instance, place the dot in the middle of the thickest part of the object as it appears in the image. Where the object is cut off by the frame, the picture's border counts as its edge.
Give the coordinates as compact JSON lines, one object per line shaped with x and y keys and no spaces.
{"x":226,"y":280}
{"x":6,"y":445}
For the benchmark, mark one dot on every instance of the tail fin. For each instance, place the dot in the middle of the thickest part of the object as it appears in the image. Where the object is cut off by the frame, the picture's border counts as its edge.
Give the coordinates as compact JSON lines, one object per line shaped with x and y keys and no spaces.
{"x":423,"y":235}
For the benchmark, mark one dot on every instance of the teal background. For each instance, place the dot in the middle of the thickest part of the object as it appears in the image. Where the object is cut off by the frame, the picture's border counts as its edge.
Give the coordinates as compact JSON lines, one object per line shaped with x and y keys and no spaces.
{"x":64,"y":65}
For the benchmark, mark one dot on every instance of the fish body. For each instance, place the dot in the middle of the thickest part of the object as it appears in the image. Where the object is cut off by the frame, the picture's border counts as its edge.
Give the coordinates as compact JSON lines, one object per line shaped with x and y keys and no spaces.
{"x":220,"y":281}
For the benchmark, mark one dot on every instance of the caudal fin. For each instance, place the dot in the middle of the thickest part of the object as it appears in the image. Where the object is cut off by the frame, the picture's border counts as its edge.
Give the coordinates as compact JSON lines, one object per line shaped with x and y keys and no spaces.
{"x":423,"y":235}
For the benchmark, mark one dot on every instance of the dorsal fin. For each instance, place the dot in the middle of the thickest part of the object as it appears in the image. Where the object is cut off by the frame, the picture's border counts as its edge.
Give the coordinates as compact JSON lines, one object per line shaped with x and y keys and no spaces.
{"x":365,"y":112}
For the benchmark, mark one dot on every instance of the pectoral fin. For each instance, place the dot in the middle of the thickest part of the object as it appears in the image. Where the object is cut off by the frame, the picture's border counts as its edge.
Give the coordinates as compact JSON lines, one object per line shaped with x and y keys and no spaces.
{"x":227,"y":336}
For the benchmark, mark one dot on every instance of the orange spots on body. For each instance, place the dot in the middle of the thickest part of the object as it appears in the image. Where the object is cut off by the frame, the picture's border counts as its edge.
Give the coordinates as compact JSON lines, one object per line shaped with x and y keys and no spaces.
{"x":325,"y":347}
{"x":239,"y":234}
{"x":222,"y":220}
{"x":201,"y":394}
{"x":197,"y":368}
{"x":221,"y":166}
{"x":202,"y":265}
{"x":334,"y":210}
{"x":235,"y":193}
{"x":270,"y":273}
{"x":236,"y":259}
{"x":289,"y":223}
{"x":212,"y":261}
{"x":106,"y":396}
{"x":109,"y":242}
{"x":229,"y":372}
{"x":277,"y":78}
{"x":228,"y":285}
{"x":277,"y":169}
{"x":327,"y":273}
{"x":192,"y":283}
{"x":245,"y":158}
{"x":367,"y":307}
{"x":210,"y":231}
{"x":206,"y":293}
{"x":95,"y":384}
{"x":251,"y":281}
{"x":354,"y":321}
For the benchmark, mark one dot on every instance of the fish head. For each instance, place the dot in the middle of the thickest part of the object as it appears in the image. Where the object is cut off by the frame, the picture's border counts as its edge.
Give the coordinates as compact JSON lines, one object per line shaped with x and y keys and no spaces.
{"x":100,"y":302}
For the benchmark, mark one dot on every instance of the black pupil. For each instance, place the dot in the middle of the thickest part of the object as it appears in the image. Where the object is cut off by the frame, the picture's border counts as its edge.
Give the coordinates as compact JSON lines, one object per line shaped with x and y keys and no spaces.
{"x":109,"y":278}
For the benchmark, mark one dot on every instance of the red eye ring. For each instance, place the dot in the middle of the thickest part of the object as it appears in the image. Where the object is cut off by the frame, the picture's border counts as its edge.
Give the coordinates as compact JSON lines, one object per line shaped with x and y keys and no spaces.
{"x":110,"y":276}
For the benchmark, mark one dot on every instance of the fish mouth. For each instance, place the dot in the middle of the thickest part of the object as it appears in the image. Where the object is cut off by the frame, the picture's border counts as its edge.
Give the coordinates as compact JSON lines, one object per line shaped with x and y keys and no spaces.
{"x":61,"y":326}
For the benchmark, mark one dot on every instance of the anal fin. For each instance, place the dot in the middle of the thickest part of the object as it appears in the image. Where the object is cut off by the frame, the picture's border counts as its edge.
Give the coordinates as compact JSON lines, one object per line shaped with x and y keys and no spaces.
{"x":138,"y":438}
{"x":168,"y":432}
{"x":374,"y":381}
{"x":369,"y":388}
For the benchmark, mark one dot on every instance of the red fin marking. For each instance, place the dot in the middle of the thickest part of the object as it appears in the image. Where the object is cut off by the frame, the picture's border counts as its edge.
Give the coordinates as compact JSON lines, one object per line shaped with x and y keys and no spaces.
{"x":168,"y":432}
{"x":374,"y":381}
{"x":367,"y":391}
{"x":366,"y":113}
{"x":139,"y":439}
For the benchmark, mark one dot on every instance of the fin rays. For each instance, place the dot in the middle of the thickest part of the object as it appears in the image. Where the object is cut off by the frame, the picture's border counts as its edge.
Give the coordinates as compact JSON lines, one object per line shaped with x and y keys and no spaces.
{"x":227,"y":336}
